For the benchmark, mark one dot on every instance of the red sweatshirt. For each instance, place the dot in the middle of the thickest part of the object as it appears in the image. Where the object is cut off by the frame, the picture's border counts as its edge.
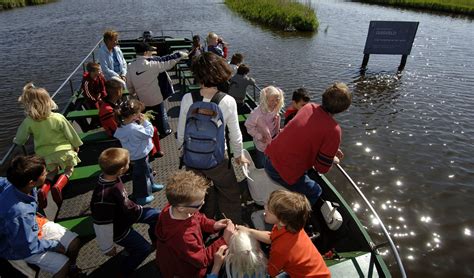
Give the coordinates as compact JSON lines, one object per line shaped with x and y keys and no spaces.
{"x":311,"y":139}
{"x":107,"y":117}
{"x":180,"y":247}
{"x":93,"y":90}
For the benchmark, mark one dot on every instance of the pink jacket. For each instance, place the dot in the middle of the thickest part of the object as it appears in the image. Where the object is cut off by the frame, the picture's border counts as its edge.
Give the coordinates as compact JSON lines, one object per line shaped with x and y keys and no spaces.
{"x":263,"y":126}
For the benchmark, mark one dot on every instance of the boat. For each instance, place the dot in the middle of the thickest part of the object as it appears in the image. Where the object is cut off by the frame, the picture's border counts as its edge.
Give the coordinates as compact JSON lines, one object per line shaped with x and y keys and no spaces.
{"x":349,"y":251}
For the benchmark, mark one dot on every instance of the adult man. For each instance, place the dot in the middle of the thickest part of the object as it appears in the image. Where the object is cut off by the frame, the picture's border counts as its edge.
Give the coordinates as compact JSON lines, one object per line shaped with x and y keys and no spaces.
{"x":26,"y":235}
{"x":143,"y":81}
{"x":311,"y":139}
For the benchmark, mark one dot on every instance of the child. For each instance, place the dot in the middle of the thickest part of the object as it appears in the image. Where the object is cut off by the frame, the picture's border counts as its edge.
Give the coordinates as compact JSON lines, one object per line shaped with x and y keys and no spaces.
{"x":196,"y":50}
{"x":55,"y":140}
{"x":216,"y":45}
{"x":180,"y":246}
{"x":135,"y":133}
{"x":311,"y":139}
{"x":93,"y":86}
{"x":108,"y":118}
{"x":238,"y":84}
{"x":291,"y":251}
{"x":26,"y":235}
{"x":299,"y":99}
{"x":264,"y":122}
{"x":235,"y":61}
{"x":113,"y":213}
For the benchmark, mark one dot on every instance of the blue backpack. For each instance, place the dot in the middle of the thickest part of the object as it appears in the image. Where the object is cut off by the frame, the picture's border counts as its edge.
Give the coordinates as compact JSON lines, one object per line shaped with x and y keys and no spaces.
{"x":204,"y":133}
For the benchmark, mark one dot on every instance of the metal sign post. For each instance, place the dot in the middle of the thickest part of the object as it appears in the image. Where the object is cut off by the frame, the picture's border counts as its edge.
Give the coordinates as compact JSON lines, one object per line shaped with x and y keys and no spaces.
{"x":389,"y":37}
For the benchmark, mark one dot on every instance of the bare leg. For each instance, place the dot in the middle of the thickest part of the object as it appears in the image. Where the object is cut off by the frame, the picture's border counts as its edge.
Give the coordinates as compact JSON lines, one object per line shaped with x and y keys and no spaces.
{"x":73,"y":250}
{"x":63,"y":272}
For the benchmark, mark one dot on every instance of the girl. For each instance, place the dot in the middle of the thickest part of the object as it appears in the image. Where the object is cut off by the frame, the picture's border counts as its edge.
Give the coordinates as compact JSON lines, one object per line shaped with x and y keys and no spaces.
{"x":243,"y":258}
{"x":135,"y":133}
{"x":264,"y":122}
{"x":54,"y":137}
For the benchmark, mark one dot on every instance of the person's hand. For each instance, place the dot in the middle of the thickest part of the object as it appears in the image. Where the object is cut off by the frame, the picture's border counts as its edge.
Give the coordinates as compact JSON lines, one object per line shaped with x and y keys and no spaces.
{"x":339,"y":154}
{"x":219,"y":258}
{"x":183,"y":54}
{"x":60,"y":249}
{"x":242,"y":228}
{"x":140,"y":118}
{"x":112,"y":252}
{"x":221,"y":224}
{"x":123,"y":77}
{"x":242,"y":160}
{"x":336,"y":160}
{"x":229,"y":232}
{"x":76,"y":149}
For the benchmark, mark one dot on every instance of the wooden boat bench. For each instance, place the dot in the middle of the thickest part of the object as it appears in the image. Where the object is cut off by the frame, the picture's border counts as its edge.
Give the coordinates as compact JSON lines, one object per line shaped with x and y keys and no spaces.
{"x":85,"y":172}
{"x":82,"y":226}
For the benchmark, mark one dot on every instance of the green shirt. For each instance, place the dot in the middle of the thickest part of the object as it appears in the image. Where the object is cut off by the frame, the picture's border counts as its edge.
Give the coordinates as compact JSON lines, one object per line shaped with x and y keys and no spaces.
{"x":50,"y":135}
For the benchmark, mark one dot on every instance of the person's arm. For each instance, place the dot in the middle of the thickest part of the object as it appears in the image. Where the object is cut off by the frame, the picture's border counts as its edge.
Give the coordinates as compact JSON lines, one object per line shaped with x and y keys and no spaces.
{"x":219,"y":259}
{"x":70,"y":133}
{"x":23,"y":238}
{"x":262,"y":236}
{"x":130,"y":87}
{"x":328,"y":150}
{"x":103,"y":91}
{"x":22,"y":134}
{"x":232,"y":121}
{"x":207,"y":225}
{"x":186,"y":102}
{"x":197,"y":254}
{"x":108,"y":120}
{"x":86,"y":91}
{"x":251,"y":125}
{"x":144,"y":131}
{"x":276,"y":261}
{"x":164,"y":63}
{"x":123,"y":62}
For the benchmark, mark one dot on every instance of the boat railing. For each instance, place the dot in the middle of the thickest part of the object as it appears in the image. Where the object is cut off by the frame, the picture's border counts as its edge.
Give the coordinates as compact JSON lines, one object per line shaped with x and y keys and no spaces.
{"x":377,"y":218}
{"x":68,"y":81}
{"x":136,"y":33}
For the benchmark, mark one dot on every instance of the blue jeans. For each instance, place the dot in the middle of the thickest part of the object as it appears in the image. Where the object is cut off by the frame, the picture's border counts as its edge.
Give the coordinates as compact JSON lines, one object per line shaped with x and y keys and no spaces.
{"x":138,"y":247}
{"x":142,"y":176}
{"x":161,"y":118}
{"x":303,"y":185}
{"x":260,"y":159}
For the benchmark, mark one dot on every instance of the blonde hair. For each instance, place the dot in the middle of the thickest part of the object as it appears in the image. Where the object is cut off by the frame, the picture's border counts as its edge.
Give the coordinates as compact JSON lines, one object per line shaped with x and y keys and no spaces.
{"x":211,"y":36}
{"x":37,"y":102}
{"x":267,"y":92}
{"x":110,"y":35}
{"x":185,"y":187}
{"x":245,"y":258}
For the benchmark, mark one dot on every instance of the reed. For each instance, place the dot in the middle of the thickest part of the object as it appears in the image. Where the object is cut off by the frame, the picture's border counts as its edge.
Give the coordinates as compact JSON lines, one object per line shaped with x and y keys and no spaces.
{"x":451,"y":6}
{"x":10,"y":4}
{"x":285,"y":14}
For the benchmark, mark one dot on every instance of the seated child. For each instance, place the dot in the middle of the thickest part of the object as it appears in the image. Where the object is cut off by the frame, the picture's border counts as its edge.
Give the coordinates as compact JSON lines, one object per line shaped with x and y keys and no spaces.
{"x":196,"y":50}
{"x":108,"y":118}
{"x":180,"y":246}
{"x":216,"y":45}
{"x":243,"y":258}
{"x":93,"y":86}
{"x":25,"y":234}
{"x":299,"y":99}
{"x":114,"y":214}
{"x":291,"y":251}
{"x":135,"y":133}
{"x":238,"y":84}
{"x":264,"y":122}
{"x":235,"y":61}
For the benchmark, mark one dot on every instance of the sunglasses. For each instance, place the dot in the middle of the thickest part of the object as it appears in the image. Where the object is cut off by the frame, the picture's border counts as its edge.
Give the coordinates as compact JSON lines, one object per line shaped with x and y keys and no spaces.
{"x":194,"y":206}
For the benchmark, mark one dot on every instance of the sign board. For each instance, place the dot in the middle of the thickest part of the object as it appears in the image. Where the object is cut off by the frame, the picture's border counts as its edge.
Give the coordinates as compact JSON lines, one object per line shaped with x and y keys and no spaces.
{"x":390,"y":37}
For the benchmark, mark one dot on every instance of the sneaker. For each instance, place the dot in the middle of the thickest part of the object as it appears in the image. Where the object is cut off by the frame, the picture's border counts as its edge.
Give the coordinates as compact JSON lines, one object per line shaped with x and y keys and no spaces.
{"x":145,"y":200}
{"x":157,"y":187}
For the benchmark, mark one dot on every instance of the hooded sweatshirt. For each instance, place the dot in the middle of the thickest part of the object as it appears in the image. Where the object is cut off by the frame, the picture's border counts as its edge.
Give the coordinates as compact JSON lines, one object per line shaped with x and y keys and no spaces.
{"x":180,"y":247}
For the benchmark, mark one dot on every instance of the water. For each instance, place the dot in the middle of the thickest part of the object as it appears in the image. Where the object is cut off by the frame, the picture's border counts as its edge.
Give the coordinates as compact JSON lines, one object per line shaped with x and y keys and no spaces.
{"x":408,"y":139}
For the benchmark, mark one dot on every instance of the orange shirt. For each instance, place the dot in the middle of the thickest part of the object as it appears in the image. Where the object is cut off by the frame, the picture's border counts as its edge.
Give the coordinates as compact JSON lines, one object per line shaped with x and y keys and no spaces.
{"x":40,"y":220}
{"x":295,"y":254}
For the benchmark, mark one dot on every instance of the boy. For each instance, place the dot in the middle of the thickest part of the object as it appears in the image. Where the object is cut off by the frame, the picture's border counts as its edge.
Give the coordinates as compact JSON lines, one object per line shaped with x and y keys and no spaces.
{"x":26,"y":235}
{"x":299,"y":99}
{"x":180,"y":246}
{"x":311,"y":139}
{"x":114,"y":214}
{"x":235,"y":61}
{"x":107,"y":117}
{"x":291,"y":251}
{"x":93,"y":86}
{"x":239,"y":83}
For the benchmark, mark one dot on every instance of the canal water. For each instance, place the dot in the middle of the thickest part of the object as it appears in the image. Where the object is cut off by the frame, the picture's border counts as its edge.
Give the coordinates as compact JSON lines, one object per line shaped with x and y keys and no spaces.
{"x":408,"y":139}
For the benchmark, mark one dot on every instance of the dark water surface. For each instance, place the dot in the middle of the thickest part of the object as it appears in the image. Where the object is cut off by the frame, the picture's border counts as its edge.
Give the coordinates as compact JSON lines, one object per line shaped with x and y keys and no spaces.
{"x":408,"y":139}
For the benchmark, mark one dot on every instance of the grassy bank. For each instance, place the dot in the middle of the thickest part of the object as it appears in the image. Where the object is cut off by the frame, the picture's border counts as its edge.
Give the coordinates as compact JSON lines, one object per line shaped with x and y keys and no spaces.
{"x":451,"y":6}
{"x":278,"y":13}
{"x":10,"y":4}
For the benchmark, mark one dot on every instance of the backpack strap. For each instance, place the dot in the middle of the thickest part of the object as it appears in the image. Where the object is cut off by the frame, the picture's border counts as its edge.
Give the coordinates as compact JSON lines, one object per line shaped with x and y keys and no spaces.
{"x":217,"y":99}
{"x":196,"y":96}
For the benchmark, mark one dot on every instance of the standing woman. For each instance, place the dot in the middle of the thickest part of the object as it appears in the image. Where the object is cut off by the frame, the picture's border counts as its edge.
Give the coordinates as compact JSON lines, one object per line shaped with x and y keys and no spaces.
{"x":111,"y":58}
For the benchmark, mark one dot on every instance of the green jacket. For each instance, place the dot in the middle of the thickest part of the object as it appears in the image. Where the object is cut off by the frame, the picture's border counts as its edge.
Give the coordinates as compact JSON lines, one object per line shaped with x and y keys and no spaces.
{"x":50,"y":135}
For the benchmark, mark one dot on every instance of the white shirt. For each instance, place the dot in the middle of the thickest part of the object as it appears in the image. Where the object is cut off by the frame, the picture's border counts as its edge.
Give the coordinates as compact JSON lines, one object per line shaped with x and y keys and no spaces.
{"x":228,"y":107}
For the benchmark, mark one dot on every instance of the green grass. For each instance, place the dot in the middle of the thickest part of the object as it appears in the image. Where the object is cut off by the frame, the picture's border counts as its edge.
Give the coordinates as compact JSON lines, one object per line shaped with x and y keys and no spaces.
{"x":277,"y":13}
{"x":10,"y":4}
{"x":451,"y":6}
